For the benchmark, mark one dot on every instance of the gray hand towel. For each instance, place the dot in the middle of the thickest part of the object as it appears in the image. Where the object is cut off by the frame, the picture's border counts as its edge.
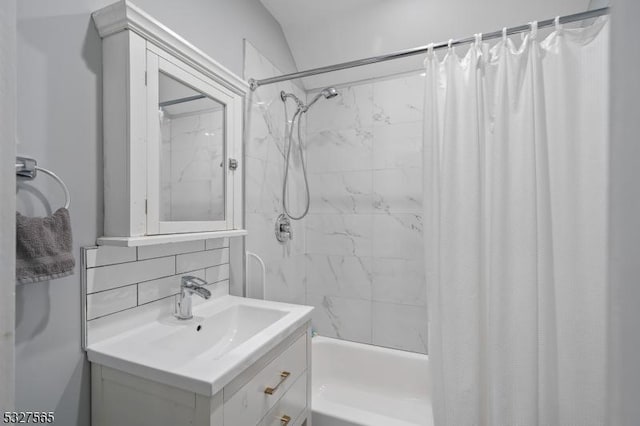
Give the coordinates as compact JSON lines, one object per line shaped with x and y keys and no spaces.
{"x":43,"y":247}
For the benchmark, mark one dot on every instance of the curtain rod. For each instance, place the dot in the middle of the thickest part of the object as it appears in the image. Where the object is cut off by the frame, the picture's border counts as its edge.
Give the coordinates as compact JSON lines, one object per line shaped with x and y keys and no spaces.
{"x":254,"y":84}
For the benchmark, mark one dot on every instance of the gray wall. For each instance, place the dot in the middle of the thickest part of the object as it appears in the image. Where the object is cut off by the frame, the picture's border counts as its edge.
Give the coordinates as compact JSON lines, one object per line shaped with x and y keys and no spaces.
{"x":625,"y":216}
{"x":7,"y":195}
{"x":596,"y":4}
{"x":59,"y":123}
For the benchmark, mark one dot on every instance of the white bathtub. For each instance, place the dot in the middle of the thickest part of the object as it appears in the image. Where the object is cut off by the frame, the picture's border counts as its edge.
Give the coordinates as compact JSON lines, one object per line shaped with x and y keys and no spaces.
{"x":358,"y":384}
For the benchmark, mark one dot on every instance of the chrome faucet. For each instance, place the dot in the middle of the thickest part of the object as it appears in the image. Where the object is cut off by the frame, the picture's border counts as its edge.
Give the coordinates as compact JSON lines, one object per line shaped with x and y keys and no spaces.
{"x":189,"y":285}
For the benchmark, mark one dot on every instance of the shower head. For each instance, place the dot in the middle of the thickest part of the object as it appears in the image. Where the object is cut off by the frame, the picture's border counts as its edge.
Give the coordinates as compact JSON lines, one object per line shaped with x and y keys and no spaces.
{"x":327,"y":93}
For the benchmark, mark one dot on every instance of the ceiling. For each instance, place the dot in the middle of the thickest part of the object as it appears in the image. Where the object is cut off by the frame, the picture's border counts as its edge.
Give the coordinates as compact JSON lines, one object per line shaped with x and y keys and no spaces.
{"x":324,"y":32}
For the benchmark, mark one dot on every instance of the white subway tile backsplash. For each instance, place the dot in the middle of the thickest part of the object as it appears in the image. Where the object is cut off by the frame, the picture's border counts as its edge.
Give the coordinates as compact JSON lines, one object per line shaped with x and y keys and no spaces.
{"x":218,"y":289}
{"x":149,"y":291}
{"x":106,"y":255}
{"x":110,"y":301}
{"x":216,"y":243}
{"x":115,"y":282}
{"x":112,"y":276}
{"x":201,"y":260}
{"x":217,"y":273}
{"x":160,"y":250}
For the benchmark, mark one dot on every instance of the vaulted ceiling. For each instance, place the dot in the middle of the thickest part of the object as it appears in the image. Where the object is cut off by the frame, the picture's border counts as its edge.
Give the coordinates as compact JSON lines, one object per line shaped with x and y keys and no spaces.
{"x":324,"y":32}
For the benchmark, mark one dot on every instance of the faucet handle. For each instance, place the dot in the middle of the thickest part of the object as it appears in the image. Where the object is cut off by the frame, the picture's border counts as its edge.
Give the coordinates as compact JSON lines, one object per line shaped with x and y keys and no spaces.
{"x":191,"y":281}
{"x":286,"y":229}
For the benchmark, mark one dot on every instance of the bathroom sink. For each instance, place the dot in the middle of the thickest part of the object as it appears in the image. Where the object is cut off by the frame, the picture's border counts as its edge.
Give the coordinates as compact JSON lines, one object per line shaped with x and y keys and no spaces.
{"x":210,"y":338}
{"x":202,"y":354}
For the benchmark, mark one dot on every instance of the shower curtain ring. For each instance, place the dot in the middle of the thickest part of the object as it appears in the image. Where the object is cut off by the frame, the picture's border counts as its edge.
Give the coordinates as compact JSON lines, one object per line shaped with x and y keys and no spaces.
{"x":558,"y":25}
{"x":534,"y":29}
{"x":504,"y":34}
{"x":450,"y":43}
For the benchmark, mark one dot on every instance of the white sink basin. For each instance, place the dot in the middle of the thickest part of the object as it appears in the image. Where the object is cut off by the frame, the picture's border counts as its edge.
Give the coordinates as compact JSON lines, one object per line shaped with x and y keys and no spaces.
{"x":212,"y":337}
{"x":203,"y":354}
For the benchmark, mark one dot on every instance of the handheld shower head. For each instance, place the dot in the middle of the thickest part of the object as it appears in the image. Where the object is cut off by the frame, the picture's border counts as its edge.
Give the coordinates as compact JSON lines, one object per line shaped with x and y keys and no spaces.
{"x":327,"y":93}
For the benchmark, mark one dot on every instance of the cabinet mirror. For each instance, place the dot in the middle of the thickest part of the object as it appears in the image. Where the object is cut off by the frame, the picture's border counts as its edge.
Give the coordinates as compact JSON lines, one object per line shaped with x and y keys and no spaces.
{"x":192,"y":153}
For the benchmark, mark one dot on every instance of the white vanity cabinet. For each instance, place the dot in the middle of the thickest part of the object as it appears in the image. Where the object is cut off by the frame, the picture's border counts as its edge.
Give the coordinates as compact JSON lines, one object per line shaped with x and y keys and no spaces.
{"x":273,"y":391}
{"x":173,"y":121}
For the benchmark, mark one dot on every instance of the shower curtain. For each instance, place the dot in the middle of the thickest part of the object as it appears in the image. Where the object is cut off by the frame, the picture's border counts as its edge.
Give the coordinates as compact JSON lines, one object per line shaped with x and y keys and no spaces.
{"x":515,"y":196}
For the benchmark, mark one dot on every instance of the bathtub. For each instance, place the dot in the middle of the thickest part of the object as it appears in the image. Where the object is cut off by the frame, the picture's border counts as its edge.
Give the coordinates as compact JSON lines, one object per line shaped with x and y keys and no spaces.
{"x":357,"y":384}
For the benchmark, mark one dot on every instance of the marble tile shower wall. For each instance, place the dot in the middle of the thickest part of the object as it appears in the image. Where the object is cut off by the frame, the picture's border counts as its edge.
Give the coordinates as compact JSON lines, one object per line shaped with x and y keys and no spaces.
{"x":264,"y":156}
{"x":358,"y":256}
{"x":364,"y":249}
{"x":192,"y":173}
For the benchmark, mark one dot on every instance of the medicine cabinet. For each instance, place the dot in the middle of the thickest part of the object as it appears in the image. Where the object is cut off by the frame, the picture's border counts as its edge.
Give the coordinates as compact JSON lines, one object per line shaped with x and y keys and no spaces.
{"x":172,"y":134}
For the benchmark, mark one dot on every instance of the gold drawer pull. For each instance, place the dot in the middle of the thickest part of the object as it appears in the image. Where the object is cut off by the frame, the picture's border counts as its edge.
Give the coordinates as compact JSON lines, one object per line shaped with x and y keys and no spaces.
{"x":285,"y":420}
{"x":283,"y":377}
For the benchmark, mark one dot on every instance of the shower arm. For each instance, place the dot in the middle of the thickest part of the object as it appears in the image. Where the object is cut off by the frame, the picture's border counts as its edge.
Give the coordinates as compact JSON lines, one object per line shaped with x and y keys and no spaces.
{"x":284,"y":96}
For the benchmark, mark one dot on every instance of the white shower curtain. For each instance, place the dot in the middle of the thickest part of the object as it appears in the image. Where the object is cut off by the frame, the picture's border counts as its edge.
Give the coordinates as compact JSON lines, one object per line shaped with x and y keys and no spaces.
{"x":515,"y":195}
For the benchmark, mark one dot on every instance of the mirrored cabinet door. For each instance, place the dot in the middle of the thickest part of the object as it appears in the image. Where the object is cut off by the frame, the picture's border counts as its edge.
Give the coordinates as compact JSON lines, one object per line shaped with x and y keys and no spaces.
{"x":188,"y":134}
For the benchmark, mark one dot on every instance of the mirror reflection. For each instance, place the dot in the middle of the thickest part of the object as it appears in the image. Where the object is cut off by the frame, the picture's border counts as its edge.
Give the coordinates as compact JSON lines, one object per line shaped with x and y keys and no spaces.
{"x":192,"y":155}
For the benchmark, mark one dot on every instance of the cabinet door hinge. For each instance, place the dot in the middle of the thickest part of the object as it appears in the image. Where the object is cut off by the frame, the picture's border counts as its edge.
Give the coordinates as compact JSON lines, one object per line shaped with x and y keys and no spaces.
{"x":145,"y":78}
{"x":146,"y":205}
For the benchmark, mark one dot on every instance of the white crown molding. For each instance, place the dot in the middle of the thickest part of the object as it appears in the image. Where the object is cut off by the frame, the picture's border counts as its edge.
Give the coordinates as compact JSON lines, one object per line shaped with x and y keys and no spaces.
{"x":124,"y":15}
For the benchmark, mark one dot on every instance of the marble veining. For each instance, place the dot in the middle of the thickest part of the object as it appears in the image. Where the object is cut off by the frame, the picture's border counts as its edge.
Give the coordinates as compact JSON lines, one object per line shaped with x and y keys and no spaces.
{"x":265,"y":152}
{"x":343,"y":192}
{"x":398,"y":146}
{"x":192,"y":168}
{"x":364,"y":235}
{"x":339,"y":150}
{"x":332,"y":275}
{"x":358,"y":256}
{"x":398,"y":100}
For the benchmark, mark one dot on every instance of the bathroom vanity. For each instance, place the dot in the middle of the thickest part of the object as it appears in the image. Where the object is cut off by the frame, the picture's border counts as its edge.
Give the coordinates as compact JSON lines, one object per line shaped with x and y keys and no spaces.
{"x":237,"y":362}
{"x":173,"y":122}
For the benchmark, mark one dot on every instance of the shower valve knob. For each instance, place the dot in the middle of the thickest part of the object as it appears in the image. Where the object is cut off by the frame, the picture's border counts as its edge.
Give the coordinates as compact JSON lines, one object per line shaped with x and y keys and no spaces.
{"x":284,"y":231}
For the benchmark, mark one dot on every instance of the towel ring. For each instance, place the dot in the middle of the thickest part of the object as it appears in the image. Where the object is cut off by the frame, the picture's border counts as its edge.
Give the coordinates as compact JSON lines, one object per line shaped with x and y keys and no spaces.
{"x":28,"y":167}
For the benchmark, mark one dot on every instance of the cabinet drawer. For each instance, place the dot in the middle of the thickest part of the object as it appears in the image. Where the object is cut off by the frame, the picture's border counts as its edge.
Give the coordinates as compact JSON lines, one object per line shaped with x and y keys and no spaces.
{"x":251,"y":402}
{"x":291,"y":405}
